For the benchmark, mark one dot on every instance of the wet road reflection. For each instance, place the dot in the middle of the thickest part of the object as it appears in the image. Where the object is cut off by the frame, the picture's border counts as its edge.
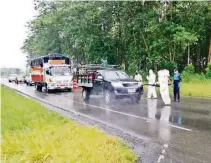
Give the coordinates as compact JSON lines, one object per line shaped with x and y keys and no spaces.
{"x":185,"y":126}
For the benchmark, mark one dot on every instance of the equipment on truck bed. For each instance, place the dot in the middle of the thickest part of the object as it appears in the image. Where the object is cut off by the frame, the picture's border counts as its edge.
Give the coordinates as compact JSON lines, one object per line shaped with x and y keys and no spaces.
{"x":88,"y":72}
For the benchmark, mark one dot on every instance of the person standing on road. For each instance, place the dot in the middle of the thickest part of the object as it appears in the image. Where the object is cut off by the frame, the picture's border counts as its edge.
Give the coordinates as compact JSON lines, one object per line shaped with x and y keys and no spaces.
{"x":138,"y":77}
{"x":151,"y":81}
{"x":176,"y":85}
{"x":163,"y":79}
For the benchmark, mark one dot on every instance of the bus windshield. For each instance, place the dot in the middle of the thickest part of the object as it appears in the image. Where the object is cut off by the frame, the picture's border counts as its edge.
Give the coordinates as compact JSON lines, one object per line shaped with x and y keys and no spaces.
{"x":60,"y":71}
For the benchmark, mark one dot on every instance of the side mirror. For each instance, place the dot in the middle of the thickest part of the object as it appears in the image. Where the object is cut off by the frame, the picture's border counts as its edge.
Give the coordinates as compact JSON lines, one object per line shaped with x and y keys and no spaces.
{"x":47,"y":72}
{"x":100,"y":77}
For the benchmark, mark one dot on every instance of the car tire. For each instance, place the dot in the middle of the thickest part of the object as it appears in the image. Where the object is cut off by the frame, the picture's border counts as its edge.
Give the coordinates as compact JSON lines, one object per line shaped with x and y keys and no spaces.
{"x":46,"y":88}
{"x":38,"y":87}
{"x":108,"y":97}
{"x":86,"y":94}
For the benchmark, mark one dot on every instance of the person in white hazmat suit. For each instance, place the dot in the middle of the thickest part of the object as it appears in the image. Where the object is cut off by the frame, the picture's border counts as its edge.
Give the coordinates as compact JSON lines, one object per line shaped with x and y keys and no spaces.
{"x":151,"y":89}
{"x":138,"y":77}
{"x":163,"y":80}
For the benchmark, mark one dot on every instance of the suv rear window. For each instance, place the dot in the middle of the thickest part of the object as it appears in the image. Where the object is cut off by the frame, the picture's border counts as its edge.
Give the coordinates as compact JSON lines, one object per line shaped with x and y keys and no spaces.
{"x":115,"y":75}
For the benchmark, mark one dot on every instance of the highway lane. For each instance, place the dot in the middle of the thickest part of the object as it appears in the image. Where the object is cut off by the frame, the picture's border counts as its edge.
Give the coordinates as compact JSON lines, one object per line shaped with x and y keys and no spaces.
{"x":183,"y":129}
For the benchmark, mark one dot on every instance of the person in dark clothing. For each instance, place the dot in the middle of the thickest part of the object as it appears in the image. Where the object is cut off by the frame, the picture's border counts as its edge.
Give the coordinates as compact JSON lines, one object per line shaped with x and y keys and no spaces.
{"x":176,"y":85}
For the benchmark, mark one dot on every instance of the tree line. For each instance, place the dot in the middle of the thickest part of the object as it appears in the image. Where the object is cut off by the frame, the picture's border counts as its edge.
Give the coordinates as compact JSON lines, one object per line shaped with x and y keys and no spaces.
{"x":138,"y":35}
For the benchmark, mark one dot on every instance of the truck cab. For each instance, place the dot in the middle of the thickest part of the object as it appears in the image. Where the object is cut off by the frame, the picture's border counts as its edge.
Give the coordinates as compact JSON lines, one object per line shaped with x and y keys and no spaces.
{"x":58,"y":77}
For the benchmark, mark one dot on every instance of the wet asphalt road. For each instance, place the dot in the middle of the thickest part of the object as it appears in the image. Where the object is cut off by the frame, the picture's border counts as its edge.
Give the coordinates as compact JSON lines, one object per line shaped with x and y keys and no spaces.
{"x":183,"y":129}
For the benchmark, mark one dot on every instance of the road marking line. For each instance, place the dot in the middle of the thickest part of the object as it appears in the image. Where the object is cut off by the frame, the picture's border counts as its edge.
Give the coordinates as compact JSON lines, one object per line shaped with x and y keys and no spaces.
{"x":161,"y":157}
{"x":131,"y":115}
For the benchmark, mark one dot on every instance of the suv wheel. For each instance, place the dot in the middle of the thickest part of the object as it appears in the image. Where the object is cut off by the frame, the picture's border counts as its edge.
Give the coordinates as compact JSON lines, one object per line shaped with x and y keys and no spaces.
{"x":107,"y":97}
{"x":85,"y":94}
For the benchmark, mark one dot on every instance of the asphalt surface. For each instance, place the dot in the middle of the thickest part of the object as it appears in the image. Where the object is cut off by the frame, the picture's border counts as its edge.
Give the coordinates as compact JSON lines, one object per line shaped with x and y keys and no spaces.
{"x":183,"y":130}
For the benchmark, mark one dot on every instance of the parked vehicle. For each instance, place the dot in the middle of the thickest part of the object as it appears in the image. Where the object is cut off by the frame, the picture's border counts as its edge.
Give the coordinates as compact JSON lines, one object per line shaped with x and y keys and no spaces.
{"x":52,"y":72}
{"x":20,"y":79}
{"x":28,"y":80}
{"x":110,"y":82}
{"x":12,"y":78}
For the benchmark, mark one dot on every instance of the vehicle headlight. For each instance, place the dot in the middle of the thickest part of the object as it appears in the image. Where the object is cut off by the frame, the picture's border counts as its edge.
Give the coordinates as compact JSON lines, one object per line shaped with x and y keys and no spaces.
{"x":116,"y":84}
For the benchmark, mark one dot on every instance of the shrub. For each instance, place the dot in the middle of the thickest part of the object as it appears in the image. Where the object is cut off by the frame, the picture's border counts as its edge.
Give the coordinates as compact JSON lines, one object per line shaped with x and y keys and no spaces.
{"x":169,"y":65}
{"x":189,"y":69}
{"x":188,"y":73}
{"x":132,"y":68}
{"x":208,"y":71}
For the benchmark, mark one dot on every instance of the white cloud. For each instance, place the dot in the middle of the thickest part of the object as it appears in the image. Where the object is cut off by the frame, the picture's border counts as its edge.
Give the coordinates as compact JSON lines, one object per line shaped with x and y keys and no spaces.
{"x":13,"y":17}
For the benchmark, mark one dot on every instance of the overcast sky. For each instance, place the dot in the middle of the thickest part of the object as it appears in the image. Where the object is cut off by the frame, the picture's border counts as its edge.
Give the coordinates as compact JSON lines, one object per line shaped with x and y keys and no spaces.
{"x":13,"y":16}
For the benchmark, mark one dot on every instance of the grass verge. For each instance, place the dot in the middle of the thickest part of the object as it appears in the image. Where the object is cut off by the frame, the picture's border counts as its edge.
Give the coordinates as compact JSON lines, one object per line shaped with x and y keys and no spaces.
{"x":31,"y":133}
{"x":196,"y":89}
{"x":191,"y":89}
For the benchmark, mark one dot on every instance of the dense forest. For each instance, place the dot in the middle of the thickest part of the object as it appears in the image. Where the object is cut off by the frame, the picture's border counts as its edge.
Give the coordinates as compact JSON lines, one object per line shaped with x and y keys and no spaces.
{"x":135,"y":34}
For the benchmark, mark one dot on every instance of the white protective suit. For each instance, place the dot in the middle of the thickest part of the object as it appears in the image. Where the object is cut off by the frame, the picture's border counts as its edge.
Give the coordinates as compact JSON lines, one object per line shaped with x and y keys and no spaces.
{"x":151,"y":89}
{"x":163,"y":76}
{"x":138,"y":77}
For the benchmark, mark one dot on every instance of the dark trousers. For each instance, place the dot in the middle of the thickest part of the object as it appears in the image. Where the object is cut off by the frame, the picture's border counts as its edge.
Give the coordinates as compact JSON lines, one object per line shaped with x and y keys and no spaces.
{"x":176,"y":91}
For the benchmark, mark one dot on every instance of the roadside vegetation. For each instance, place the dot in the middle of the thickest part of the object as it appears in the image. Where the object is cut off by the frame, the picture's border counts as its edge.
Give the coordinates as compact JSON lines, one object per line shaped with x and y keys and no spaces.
{"x":194,"y":84}
{"x":31,"y":133}
{"x":136,"y":35}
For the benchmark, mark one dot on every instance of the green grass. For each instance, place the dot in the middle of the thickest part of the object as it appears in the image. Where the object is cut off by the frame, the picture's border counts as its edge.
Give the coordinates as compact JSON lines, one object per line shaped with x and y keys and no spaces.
{"x":31,"y":133}
{"x":196,"y":89}
{"x":193,"y":89}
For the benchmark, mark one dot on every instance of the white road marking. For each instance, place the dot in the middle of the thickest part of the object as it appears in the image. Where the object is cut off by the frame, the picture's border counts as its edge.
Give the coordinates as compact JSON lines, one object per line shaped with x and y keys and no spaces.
{"x":166,"y":145}
{"x":161,"y":157}
{"x":163,"y":151}
{"x":131,"y":115}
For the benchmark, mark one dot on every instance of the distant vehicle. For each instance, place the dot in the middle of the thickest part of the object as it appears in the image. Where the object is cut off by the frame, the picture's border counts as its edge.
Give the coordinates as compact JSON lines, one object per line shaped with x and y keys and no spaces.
{"x":52,"y":72}
{"x":109,"y":82}
{"x":12,"y":78}
{"x":20,"y":79}
{"x":28,"y":80}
